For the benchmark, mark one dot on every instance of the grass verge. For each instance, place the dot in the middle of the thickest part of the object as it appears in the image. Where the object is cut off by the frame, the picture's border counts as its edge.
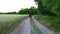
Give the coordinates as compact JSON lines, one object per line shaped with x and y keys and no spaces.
{"x":52,"y":23}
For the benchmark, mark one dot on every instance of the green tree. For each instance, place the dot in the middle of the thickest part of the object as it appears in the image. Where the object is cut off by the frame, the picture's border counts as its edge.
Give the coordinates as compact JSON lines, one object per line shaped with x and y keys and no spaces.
{"x":49,"y":7}
{"x":33,"y":10}
{"x":24,"y":11}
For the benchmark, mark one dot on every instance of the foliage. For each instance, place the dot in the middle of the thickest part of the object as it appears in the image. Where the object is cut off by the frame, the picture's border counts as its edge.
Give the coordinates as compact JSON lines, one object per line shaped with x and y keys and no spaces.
{"x":9,"y":13}
{"x":24,"y":11}
{"x":53,"y":23}
{"x":32,"y":10}
{"x":51,"y":10}
{"x":49,"y":7}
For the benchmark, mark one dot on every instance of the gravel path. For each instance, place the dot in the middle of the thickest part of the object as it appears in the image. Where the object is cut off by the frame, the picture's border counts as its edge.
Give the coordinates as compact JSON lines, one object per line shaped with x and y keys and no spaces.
{"x":23,"y":28}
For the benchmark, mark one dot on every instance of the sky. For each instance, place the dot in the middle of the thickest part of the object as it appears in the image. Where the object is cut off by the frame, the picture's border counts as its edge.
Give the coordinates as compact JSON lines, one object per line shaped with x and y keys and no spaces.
{"x":15,"y":5}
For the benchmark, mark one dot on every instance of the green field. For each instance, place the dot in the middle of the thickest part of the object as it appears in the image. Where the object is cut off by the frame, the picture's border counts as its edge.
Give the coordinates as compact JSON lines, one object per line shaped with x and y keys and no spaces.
{"x":9,"y":22}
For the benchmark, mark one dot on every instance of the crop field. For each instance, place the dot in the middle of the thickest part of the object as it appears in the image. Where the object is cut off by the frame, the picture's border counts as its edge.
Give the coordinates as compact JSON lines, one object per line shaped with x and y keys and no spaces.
{"x":9,"y":21}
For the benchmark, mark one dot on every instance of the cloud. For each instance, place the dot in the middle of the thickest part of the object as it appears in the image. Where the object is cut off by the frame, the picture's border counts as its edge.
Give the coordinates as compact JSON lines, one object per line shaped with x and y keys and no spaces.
{"x":15,"y":5}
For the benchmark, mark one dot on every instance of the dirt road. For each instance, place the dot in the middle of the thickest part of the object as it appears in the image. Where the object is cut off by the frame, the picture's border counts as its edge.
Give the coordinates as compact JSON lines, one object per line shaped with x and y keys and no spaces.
{"x":25,"y":27}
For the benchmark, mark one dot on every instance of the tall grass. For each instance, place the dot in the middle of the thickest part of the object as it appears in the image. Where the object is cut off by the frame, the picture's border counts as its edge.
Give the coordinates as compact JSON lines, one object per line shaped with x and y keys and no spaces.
{"x":9,"y":22}
{"x":53,"y":23}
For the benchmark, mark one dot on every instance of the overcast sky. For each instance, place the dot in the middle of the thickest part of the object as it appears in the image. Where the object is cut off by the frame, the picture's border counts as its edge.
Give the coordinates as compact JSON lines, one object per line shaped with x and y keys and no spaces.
{"x":15,"y":5}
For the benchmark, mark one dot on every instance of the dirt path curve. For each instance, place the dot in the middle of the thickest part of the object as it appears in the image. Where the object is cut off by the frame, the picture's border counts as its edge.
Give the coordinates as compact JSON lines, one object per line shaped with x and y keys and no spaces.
{"x":43,"y":29}
{"x":23,"y":28}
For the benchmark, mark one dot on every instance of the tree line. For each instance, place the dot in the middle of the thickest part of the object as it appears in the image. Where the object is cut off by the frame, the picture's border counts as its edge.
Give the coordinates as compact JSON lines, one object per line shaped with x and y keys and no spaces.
{"x":49,"y":7}
{"x":32,"y":10}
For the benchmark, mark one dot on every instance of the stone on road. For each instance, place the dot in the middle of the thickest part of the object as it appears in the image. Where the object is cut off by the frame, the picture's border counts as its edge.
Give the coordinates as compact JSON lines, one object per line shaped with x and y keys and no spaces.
{"x":23,"y":28}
